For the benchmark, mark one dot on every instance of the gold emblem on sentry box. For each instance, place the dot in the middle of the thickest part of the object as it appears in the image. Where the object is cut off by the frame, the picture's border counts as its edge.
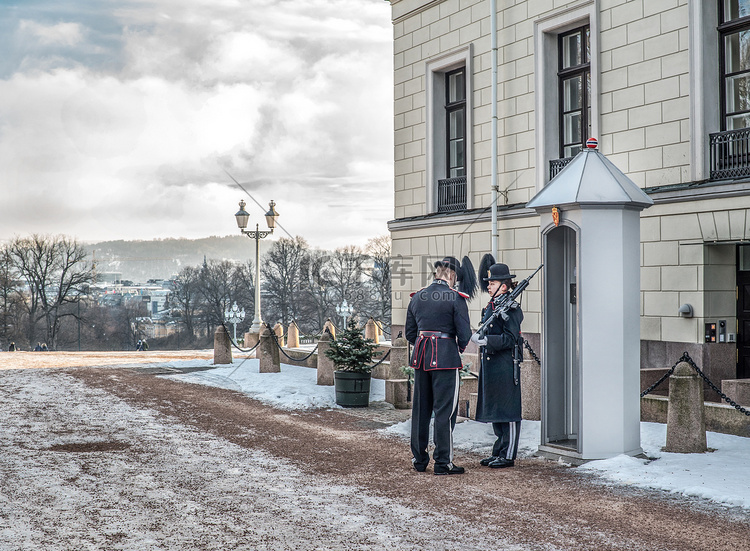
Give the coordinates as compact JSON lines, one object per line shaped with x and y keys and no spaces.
{"x":556,"y":216}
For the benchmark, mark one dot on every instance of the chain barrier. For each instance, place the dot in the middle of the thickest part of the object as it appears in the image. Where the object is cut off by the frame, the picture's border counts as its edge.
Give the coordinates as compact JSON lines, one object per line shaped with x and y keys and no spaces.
{"x":688,"y":360}
{"x":276,"y":340}
{"x":533,"y":355}
{"x":381,"y":360}
{"x":382,"y":328}
{"x":665,"y":377}
{"x":684,"y":358}
{"x":246,"y":351}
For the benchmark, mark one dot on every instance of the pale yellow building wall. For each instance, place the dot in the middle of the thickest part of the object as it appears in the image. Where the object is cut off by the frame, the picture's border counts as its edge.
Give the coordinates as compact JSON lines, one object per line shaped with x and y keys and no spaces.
{"x":644,"y":83}
{"x":415,"y":251}
{"x":687,"y":250}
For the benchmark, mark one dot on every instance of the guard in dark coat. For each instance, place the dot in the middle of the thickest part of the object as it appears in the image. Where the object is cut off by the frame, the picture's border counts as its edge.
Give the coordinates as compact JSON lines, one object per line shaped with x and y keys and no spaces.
{"x":499,"y":398}
{"x":437,"y":324}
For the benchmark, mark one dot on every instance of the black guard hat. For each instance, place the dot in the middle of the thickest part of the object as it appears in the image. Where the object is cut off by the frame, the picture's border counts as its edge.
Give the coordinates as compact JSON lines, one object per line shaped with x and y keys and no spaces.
{"x":449,"y":262}
{"x":498,"y":272}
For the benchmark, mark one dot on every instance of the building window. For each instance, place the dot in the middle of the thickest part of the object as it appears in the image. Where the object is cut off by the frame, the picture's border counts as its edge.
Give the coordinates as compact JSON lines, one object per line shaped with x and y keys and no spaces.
{"x":574,"y":75}
{"x":729,"y":149}
{"x":455,"y":116}
{"x":567,"y":93}
{"x":452,"y":189}
{"x":734,"y":44}
{"x":449,"y":123}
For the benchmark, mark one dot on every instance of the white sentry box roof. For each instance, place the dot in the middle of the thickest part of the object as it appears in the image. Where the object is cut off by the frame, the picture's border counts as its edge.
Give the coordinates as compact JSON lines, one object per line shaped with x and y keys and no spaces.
{"x":590,"y":179}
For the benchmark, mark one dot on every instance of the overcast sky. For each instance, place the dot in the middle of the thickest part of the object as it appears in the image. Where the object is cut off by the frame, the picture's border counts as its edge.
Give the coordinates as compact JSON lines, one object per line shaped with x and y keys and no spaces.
{"x":119,"y":119}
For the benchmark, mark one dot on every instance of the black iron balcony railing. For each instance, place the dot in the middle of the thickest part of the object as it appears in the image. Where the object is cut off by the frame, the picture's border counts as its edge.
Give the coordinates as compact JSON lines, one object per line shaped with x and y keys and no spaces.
{"x":556,"y":165}
{"x":451,"y":195}
{"x":729,"y":154}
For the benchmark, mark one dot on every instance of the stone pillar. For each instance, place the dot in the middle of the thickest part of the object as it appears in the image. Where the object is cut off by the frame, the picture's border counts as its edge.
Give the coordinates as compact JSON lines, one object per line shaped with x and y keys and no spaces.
{"x":278,"y":329}
{"x":222,"y":346}
{"x":531,"y":390}
{"x":399,"y":358}
{"x":371,"y":330}
{"x":397,"y":393}
{"x":325,"y":364}
{"x":251,"y":339}
{"x":686,"y":423}
{"x":331,"y":328}
{"x":469,"y":387}
{"x":268,"y":352}
{"x":379,"y":329}
{"x":292,"y":336}
{"x":473,"y":398}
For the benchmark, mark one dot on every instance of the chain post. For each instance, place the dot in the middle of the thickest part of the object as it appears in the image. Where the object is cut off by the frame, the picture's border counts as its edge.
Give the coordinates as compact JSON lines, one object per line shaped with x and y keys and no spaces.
{"x":688,"y":360}
{"x":276,"y":341}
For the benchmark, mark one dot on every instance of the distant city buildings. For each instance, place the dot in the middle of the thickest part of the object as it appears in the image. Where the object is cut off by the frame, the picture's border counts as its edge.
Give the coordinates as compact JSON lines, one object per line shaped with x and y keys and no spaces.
{"x":154,"y":296}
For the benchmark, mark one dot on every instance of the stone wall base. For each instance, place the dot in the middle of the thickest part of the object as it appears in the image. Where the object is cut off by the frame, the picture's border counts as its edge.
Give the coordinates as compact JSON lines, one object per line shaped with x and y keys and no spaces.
{"x":721,"y":418}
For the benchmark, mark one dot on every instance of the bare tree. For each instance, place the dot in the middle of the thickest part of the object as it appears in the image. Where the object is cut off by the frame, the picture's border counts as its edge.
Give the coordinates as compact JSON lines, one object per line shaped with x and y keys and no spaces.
{"x":56,"y":273}
{"x":216,"y":291}
{"x":283,"y":279}
{"x":243,"y":290}
{"x":186,"y":297}
{"x":317,"y":293}
{"x":379,"y":251}
{"x":11,"y":299}
{"x":344,"y":271}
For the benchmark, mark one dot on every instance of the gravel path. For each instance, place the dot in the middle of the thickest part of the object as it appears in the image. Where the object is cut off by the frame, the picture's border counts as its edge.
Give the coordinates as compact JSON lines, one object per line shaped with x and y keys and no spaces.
{"x":114,"y":458}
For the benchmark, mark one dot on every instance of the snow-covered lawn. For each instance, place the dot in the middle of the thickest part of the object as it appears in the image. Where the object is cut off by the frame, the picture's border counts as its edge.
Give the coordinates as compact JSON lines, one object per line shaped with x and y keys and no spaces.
{"x":720,"y":476}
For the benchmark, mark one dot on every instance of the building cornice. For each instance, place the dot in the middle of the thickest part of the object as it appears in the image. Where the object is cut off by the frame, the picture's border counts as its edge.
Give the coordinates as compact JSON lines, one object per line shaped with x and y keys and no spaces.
{"x":696,"y":191}
{"x":399,"y":17}
{"x":467,"y":217}
{"x":662,"y":195}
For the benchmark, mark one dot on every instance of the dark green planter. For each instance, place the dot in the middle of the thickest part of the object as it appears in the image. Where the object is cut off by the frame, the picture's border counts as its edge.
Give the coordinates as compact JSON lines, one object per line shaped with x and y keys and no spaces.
{"x":352,"y":389}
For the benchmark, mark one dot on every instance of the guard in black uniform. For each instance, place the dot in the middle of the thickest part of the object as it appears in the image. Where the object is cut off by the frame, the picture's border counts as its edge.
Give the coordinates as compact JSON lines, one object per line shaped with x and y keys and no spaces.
{"x":437,"y":324}
{"x":499,"y":398}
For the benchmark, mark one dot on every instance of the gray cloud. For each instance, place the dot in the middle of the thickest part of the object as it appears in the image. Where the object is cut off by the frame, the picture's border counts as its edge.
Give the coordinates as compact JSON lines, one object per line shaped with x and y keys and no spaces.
{"x":153,"y":100}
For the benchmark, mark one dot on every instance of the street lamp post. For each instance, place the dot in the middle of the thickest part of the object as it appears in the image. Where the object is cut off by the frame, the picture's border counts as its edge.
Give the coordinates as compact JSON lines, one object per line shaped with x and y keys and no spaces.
{"x":234,"y":316}
{"x":344,"y":310}
{"x":242,"y":217}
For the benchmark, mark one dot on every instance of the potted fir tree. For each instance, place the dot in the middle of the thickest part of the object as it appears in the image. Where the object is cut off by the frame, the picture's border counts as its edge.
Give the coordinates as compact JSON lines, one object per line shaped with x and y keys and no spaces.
{"x":351,"y":354}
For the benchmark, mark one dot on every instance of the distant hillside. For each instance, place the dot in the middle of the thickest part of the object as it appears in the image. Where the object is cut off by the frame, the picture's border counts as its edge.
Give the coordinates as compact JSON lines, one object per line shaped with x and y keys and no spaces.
{"x":140,"y":261}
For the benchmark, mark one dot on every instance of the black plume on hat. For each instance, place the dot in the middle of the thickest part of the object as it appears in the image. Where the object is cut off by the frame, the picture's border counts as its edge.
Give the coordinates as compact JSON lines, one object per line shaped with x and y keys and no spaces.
{"x":484,"y":270}
{"x":465,"y":275}
{"x":467,"y":278}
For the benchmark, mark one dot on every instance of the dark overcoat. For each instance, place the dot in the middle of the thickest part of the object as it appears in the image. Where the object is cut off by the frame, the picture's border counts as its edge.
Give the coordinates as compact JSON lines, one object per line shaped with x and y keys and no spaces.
{"x":499,"y":397}
{"x":440,"y":309}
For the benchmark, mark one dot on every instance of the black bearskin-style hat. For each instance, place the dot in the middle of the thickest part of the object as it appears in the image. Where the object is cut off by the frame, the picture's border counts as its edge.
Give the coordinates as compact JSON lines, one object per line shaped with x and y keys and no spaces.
{"x":449,"y":262}
{"x":499,"y":272}
{"x":465,"y":274}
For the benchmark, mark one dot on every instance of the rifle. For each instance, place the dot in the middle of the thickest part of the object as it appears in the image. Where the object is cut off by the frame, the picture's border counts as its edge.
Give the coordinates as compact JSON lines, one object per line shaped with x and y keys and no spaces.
{"x":505,"y":303}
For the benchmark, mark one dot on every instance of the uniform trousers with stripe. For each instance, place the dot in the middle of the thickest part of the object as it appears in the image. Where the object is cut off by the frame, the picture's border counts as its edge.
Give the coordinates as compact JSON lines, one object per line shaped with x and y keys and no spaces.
{"x":434,"y":391}
{"x":506,"y":444}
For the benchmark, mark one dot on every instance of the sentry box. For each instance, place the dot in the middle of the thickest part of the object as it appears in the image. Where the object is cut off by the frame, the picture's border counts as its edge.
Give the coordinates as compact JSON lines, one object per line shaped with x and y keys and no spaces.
{"x":590,"y":224}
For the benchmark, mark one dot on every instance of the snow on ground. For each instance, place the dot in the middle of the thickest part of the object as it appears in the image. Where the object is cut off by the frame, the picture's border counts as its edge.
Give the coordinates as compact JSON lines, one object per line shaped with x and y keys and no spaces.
{"x":720,"y":476}
{"x":169,"y":486}
{"x":293,"y":388}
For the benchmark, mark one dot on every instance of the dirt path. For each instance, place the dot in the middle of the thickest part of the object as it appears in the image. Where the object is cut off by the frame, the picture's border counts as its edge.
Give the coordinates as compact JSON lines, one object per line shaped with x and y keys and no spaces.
{"x":537,"y":504}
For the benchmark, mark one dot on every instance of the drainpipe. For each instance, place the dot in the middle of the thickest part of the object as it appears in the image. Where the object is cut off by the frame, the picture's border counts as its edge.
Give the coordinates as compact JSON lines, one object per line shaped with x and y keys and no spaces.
{"x":493,"y":148}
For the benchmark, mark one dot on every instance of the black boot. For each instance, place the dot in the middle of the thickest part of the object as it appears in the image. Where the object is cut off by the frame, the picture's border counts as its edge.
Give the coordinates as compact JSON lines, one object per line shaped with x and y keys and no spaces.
{"x":501,"y":463}
{"x":450,"y":468}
